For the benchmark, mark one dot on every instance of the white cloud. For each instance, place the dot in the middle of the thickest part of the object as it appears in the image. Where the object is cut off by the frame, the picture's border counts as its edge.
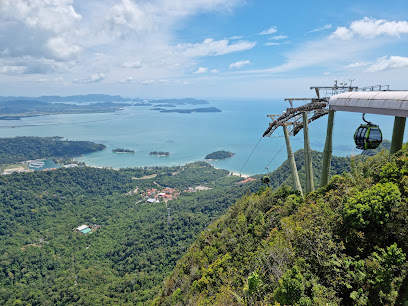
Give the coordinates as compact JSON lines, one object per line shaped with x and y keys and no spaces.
{"x":357,"y":65}
{"x":278,"y":37}
{"x":128,"y":80}
{"x":326,"y":27}
{"x":148,"y":82}
{"x":128,"y":15}
{"x":271,"y":44}
{"x":201,"y":70}
{"x":94,"y":78}
{"x":214,"y":71}
{"x":344,"y":45}
{"x":132,"y":64}
{"x":83,"y":36}
{"x":240,"y":64}
{"x":54,"y":16}
{"x":342,"y":33}
{"x":180,"y":8}
{"x":13,"y":69}
{"x":236,"y":37}
{"x":271,"y":30}
{"x":328,"y":53}
{"x":40,"y":29}
{"x":211,"y":47}
{"x":388,"y":63}
{"x":61,"y":49}
{"x":371,"y":28}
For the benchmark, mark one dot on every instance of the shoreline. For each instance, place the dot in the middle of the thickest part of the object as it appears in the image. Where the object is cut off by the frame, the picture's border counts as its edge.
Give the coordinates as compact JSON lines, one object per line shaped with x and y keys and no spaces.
{"x":234,"y":173}
{"x":243,"y":175}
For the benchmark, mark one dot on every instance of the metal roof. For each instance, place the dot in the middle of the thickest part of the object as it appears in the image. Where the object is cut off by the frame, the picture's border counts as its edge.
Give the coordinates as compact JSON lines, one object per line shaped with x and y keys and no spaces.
{"x":391,"y":103}
{"x":82,"y":227}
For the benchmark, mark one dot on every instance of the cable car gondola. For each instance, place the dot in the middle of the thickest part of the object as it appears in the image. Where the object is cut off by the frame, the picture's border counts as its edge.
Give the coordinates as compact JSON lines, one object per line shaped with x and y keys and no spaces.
{"x":266,"y":180}
{"x":367,"y":136}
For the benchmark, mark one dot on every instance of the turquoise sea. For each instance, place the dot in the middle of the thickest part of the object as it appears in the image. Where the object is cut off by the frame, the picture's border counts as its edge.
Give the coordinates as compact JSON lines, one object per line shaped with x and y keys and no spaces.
{"x":189,"y":137}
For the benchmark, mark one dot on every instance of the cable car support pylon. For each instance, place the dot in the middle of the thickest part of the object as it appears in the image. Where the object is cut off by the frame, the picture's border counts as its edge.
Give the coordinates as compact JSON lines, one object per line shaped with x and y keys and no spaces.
{"x":377,"y":99}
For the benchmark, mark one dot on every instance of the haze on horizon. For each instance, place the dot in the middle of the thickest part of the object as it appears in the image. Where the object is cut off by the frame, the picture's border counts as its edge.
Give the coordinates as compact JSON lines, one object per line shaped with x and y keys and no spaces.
{"x":201,"y":48}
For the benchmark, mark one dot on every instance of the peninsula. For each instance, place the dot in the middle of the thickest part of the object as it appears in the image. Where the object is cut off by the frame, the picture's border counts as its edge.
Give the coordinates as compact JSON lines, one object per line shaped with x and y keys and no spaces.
{"x":219,"y":155}
{"x":17,"y":109}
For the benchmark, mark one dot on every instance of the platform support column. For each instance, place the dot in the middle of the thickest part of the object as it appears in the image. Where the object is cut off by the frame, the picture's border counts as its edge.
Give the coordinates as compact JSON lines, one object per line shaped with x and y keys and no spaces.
{"x":308,"y":155}
{"x":291,"y":158}
{"x":328,"y":150}
{"x":397,"y":134}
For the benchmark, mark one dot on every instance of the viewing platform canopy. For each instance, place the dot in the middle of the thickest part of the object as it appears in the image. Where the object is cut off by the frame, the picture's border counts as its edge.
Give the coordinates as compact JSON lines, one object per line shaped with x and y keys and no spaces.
{"x":391,"y":103}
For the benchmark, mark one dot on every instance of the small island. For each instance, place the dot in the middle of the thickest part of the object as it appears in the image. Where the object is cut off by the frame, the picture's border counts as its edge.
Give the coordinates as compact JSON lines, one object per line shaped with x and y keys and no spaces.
{"x":159,"y":153}
{"x":120,"y":150}
{"x":219,"y":155}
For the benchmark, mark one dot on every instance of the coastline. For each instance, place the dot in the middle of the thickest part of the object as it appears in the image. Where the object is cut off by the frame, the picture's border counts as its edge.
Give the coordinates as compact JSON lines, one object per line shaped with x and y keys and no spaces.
{"x":243,"y":175}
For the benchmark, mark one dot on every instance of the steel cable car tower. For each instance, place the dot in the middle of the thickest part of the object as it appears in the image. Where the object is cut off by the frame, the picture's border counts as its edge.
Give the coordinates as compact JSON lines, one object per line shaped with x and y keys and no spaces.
{"x":339,"y":97}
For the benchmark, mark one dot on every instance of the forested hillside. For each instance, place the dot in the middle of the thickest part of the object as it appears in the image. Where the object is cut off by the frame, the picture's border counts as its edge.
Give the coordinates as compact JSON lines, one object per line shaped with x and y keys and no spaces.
{"x":18,"y":149}
{"x":282,"y":175}
{"x":133,"y":246}
{"x":343,"y":244}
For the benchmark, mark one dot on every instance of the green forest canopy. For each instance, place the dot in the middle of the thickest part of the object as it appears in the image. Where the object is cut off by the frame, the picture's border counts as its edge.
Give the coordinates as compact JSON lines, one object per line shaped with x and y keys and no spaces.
{"x":19,"y":149}
{"x":343,"y":244}
{"x":43,"y":261}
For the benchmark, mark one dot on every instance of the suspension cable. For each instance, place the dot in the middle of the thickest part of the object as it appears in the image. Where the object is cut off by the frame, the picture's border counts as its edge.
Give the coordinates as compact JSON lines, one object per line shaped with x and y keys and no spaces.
{"x":250,"y":155}
{"x":273,"y":158}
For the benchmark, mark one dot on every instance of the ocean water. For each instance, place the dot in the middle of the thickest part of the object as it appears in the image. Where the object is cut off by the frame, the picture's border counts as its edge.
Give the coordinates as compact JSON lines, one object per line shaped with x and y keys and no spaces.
{"x":189,"y":137}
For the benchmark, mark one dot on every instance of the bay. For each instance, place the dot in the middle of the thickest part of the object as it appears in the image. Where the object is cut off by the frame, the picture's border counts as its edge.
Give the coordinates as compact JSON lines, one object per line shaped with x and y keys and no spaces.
{"x":190,"y":137}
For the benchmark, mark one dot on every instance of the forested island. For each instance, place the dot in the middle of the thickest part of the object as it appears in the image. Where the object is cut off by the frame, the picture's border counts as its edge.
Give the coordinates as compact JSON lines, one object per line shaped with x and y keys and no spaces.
{"x":120,"y":150}
{"x":16,"y":108}
{"x":219,"y":155}
{"x":19,"y":149}
{"x":184,"y":101}
{"x":160,"y":153}
{"x":193,"y":110}
{"x":165,"y":105}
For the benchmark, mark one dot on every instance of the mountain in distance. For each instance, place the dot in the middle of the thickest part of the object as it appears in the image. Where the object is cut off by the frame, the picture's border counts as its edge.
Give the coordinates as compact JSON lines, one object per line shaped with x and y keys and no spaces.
{"x":185,"y":101}
{"x":192,"y":110}
{"x":75,"y":98}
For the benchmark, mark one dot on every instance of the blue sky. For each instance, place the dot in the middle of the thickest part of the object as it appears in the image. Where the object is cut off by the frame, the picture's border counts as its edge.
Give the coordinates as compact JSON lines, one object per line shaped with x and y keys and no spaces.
{"x":199,"y":48}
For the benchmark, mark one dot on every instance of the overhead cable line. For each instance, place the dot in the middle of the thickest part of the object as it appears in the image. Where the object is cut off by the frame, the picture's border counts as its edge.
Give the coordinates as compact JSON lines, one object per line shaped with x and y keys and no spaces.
{"x":250,"y":155}
{"x":273,"y":158}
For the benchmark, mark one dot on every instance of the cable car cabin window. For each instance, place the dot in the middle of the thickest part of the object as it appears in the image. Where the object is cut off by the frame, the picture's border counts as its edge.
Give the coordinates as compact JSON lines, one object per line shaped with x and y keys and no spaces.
{"x":360,"y":137}
{"x":375,"y":135}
